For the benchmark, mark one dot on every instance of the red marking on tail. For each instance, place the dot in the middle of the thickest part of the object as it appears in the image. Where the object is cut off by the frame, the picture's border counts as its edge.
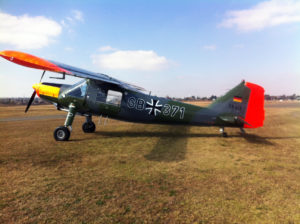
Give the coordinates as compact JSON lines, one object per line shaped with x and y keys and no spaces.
{"x":255,"y":114}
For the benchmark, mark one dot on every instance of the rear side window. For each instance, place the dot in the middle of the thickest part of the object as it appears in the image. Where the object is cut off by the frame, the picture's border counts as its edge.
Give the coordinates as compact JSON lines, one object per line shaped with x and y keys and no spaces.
{"x":114,"y":97}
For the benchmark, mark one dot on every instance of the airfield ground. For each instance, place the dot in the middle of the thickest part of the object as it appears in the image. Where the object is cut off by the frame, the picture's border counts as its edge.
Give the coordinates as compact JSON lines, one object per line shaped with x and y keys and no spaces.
{"x":135,"y":173}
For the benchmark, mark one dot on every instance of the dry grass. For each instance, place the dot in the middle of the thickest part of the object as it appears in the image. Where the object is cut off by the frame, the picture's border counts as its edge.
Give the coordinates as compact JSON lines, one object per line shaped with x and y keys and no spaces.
{"x":135,"y":173}
{"x":35,"y":110}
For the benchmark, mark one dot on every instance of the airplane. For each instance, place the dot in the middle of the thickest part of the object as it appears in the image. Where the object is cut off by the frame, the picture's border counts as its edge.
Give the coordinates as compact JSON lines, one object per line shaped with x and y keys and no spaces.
{"x":101,"y":95}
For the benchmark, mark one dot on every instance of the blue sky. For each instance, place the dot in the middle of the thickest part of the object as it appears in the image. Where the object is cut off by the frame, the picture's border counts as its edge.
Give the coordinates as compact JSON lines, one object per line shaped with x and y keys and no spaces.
{"x":175,"y":48}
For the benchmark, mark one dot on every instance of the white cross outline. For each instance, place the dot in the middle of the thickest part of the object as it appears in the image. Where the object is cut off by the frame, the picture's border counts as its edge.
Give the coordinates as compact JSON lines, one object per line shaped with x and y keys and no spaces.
{"x":153,"y":107}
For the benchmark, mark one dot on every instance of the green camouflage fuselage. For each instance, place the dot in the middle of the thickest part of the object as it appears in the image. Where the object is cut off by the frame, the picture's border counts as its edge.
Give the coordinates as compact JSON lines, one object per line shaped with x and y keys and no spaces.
{"x":91,"y":97}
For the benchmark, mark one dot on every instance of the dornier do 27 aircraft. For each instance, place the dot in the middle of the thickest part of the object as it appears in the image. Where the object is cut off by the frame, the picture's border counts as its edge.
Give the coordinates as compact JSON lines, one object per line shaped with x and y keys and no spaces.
{"x":99,"y":94}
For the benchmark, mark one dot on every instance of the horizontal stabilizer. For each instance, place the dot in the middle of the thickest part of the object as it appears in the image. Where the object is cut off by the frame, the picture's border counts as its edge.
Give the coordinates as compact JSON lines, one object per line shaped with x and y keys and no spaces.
{"x":233,"y":119}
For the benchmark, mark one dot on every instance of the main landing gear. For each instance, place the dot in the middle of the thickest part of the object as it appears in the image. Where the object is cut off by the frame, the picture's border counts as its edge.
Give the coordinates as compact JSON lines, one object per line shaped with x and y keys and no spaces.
{"x":224,"y":134}
{"x":89,"y":126}
{"x":63,"y":133}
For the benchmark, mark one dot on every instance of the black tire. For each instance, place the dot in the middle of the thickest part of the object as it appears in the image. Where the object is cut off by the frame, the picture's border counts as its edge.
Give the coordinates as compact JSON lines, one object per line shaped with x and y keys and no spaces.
{"x":62,"y":133}
{"x":88,"y":127}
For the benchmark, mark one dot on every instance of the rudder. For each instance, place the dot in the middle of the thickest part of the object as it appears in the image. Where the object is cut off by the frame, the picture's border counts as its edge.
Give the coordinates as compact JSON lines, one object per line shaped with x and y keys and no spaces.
{"x":255,"y":114}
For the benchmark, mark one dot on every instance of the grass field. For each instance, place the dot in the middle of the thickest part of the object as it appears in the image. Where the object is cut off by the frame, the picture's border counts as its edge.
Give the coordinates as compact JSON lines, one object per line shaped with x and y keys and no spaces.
{"x":136,"y":173}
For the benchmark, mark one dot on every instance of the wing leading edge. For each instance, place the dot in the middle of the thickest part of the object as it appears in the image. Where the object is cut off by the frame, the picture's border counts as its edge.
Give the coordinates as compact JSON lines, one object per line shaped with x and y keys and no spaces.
{"x":32,"y":61}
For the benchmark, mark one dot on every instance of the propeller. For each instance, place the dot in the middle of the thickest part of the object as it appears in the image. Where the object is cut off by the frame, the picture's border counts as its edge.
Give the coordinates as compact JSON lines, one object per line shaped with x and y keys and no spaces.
{"x":42,"y":76}
{"x":30,"y":101}
{"x":33,"y":95}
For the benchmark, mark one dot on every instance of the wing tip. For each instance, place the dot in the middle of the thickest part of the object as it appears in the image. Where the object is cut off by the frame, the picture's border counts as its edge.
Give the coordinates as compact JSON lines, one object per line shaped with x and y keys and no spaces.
{"x":31,"y":61}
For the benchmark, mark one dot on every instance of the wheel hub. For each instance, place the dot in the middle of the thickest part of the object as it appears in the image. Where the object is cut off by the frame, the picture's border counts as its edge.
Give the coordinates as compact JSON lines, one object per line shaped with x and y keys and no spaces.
{"x":61,"y":134}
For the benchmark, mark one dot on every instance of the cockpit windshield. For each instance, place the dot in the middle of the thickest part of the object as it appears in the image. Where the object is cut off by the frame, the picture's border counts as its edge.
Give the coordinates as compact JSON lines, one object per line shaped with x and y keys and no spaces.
{"x":78,"y":90}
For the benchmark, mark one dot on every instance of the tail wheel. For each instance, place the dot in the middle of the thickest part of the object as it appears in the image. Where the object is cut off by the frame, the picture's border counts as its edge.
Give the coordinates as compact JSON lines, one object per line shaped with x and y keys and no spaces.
{"x":222,"y":131}
{"x":88,"y":127}
{"x":61,"y":133}
{"x":224,"y":134}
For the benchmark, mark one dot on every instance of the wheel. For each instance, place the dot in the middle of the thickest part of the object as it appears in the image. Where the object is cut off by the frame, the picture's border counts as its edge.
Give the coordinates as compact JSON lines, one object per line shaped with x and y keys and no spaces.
{"x":88,"y":127}
{"x":61,"y":133}
{"x":224,"y":134}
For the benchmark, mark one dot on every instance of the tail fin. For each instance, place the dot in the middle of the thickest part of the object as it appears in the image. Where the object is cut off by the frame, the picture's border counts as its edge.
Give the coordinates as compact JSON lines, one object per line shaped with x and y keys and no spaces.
{"x":255,"y":114}
{"x":243,"y":104}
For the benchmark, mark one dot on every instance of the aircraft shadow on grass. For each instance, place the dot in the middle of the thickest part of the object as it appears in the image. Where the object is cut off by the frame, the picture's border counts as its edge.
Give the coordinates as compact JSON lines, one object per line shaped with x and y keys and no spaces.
{"x":170,"y":148}
{"x":172,"y":143}
{"x":256,"y":139}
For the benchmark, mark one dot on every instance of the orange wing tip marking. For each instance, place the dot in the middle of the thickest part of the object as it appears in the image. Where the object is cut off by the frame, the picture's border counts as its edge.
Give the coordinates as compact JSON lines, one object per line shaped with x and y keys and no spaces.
{"x":31,"y":61}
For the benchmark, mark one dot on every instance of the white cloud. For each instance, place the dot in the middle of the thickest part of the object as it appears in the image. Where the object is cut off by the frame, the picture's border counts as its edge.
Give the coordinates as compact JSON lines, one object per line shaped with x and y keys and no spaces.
{"x":77,"y":15}
{"x":107,"y":48}
{"x":25,"y":32}
{"x":264,"y":14}
{"x":72,"y":19}
{"x":69,"y":49}
{"x":210,"y":47}
{"x":130,"y":60}
{"x":63,"y":23}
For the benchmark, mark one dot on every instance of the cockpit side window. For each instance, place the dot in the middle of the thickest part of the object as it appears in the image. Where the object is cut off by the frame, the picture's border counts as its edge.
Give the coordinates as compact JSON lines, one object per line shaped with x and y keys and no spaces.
{"x":78,"y":90}
{"x":83,"y":89}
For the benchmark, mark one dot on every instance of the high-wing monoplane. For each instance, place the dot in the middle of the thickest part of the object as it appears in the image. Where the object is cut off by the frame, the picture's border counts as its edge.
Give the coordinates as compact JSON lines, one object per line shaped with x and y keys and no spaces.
{"x":101,"y":95}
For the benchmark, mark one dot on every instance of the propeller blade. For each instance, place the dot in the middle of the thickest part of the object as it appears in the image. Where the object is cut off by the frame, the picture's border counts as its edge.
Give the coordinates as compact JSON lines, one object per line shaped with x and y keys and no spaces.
{"x":30,"y":101}
{"x":42,"y":75}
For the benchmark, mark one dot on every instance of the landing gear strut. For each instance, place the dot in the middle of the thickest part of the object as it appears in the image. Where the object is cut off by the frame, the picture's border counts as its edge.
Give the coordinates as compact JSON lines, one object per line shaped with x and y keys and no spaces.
{"x":243,"y":131}
{"x":224,"y":134}
{"x":63,"y":133}
{"x":89,"y":126}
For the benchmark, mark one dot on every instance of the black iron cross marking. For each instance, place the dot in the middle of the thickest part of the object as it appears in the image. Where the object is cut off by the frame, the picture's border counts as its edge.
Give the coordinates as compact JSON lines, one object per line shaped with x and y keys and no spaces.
{"x":153,"y":107}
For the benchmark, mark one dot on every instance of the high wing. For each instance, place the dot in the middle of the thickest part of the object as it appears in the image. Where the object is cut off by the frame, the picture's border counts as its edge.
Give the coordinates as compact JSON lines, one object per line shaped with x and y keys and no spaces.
{"x":31,"y":61}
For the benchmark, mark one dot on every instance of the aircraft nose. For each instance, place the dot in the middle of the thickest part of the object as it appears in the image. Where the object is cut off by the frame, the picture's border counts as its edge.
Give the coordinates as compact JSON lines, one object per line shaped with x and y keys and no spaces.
{"x":46,"y":90}
{"x":36,"y":87}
